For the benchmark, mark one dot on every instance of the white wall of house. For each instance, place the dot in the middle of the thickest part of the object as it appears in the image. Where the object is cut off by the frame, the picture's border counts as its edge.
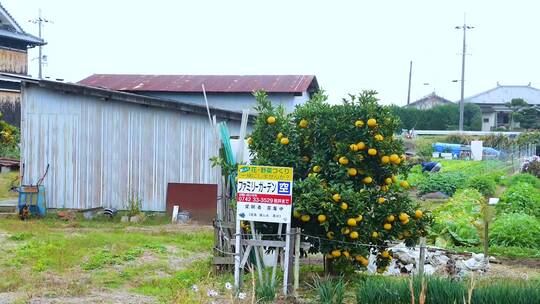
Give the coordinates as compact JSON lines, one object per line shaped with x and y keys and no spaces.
{"x":488,"y":121}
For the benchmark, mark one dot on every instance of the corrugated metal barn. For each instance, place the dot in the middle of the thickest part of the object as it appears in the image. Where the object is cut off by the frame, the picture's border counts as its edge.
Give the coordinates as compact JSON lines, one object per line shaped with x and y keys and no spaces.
{"x":229,"y":92}
{"x":104,"y":146}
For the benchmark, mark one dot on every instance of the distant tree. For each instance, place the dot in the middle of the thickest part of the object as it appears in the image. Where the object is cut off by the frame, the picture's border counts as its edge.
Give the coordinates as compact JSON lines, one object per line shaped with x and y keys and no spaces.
{"x":529,"y":118}
{"x":515,"y":105}
{"x":472,"y":117}
{"x":442,"y":117}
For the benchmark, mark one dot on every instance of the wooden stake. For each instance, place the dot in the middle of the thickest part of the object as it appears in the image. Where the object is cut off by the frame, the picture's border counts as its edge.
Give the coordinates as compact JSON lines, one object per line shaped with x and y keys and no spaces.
{"x":256,"y":252}
{"x":422,"y":256}
{"x":297,"y":260}
{"x":276,"y":253}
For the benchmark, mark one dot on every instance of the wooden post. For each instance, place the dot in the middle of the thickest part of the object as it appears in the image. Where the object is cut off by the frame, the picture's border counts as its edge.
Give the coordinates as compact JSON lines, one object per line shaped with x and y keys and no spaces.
{"x":237,"y":257}
{"x":286,"y":273}
{"x":486,"y":240}
{"x":297,"y":260}
{"x":422,"y":256}
{"x":276,"y":254}
{"x":256,"y":252}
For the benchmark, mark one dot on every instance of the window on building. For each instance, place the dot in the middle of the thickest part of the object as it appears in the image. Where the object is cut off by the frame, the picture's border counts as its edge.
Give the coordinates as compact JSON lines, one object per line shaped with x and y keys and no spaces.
{"x":486,"y":119}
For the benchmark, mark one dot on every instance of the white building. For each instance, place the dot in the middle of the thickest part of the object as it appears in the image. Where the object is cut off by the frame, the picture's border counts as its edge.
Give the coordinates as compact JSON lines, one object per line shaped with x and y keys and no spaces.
{"x":492,"y":102}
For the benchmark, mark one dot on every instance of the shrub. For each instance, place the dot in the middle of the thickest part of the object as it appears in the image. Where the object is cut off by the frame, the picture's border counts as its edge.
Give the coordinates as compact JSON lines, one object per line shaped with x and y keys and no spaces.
{"x":521,"y":197}
{"x":424,"y":151}
{"x":445,"y":182}
{"x":483,"y":184}
{"x":532,"y":166}
{"x":454,"y":220}
{"x":9,"y":138}
{"x":458,"y":139}
{"x":265,"y":292}
{"x":523,"y":178}
{"x":498,"y":141}
{"x":329,"y":290}
{"x":346,"y":165}
{"x":516,"y":229}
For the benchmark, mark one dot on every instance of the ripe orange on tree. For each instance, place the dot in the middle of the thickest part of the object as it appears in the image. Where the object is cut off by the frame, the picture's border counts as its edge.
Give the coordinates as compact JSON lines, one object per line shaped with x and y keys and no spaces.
{"x":343,"y":160}
{"x":372,"y":122}
{"x":321,"y":137}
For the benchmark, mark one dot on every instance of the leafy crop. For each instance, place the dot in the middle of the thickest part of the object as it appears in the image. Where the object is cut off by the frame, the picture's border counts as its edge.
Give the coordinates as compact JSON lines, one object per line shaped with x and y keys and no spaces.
{"x":346,"y":164}
{"x":523,"y":178}
{"x":516,"y":229}
{"x":454,"y":220}
{"x":445,"y":182}
{"x":484,"y":185}
{"x":521,"y":197}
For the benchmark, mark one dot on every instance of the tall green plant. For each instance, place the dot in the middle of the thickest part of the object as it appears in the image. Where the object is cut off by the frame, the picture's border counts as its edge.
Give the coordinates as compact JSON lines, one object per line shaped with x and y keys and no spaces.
{"x":329,"y":290}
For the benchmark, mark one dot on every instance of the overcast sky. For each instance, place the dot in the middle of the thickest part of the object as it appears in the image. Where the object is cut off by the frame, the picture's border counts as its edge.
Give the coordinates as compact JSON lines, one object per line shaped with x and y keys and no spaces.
{"x":349,"y":45}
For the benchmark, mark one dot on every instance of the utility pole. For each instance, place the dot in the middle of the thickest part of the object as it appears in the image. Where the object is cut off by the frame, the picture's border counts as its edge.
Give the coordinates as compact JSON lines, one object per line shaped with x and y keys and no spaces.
{"x":40,"y":21}
{"x":410,"y":77}
{"x":465,"y":27}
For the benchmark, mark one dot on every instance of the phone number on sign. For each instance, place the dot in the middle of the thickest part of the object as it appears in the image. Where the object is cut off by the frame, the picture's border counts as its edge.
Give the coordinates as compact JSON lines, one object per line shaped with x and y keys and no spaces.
{"x":265,"y":199}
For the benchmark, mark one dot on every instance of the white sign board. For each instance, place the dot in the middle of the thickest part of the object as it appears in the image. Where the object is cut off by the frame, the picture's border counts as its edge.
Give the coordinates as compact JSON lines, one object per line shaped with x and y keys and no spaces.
{"x":476,"y":150}
{"x":264,"y":194}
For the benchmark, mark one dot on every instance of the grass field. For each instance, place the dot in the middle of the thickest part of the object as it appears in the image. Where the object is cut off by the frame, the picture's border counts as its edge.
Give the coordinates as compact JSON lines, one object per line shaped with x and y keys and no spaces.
{"x":52,"y":258}
{"x":5,"y":184}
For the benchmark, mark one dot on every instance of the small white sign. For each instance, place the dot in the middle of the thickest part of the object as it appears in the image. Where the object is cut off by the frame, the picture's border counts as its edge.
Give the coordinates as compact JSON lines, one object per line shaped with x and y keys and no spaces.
{"x":493,"y":201}
{"x":446,"y":155}
{"x":175,"y":213}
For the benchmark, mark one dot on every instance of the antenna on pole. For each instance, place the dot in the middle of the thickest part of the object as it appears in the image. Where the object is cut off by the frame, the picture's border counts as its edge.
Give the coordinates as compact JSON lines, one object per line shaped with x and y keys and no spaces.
{"x":40,"y":21}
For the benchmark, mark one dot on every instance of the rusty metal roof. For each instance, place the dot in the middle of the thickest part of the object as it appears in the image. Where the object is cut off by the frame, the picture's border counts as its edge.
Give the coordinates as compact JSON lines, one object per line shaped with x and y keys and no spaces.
{"x":212,"y":83}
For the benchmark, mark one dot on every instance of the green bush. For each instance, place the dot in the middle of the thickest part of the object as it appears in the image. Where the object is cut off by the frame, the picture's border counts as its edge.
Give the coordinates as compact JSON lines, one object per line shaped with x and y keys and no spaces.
{"x":496,"y":141}
{"x":521,"y":197}
{"x":453,"y":221}
{"x":516,"y":229}
{"x":483,"y":184}
{"x":424,"y":151}
{"x":458,"y":139}
{"x":445,"y":182}
{"x":523,"y":178}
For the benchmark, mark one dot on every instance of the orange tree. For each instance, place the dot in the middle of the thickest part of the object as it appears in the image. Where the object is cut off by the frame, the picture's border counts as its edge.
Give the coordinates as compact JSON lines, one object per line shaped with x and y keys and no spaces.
{"x":347,"y":196}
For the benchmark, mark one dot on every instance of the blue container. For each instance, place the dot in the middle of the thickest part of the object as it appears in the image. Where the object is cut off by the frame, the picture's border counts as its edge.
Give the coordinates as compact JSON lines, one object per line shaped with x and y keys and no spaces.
{"x":34,"y":198}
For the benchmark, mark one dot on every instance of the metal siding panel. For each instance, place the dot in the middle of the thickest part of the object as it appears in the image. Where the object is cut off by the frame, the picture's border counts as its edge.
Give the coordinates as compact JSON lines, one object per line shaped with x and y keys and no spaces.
{"x":101,"y":152}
